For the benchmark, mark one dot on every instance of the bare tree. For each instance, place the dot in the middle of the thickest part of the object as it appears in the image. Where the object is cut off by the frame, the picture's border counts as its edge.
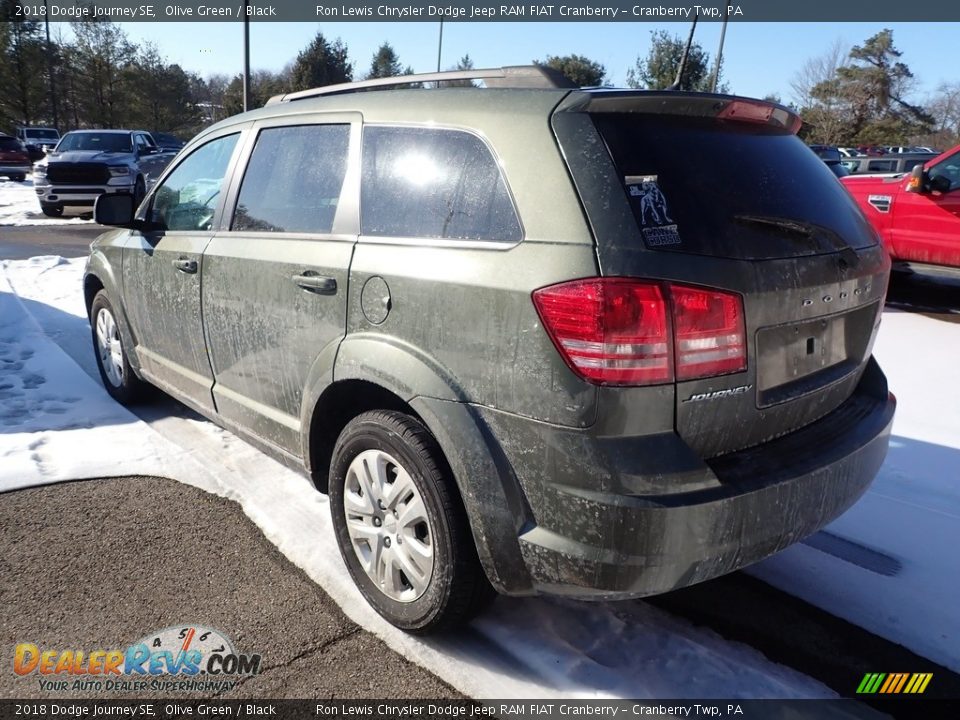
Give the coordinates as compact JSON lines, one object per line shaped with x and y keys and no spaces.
{"x":944,"y":106}
{"x":817,"y":70}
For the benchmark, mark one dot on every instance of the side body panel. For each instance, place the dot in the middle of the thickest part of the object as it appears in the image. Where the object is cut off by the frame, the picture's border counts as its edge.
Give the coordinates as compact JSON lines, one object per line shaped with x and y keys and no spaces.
{"x":265,"y":326}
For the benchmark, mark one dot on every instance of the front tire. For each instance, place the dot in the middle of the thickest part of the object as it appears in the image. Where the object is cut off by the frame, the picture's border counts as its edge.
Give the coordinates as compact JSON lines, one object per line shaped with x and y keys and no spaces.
{"x":115,"y":372}
{"x":400,"y":524}
{"x":51,"y":210}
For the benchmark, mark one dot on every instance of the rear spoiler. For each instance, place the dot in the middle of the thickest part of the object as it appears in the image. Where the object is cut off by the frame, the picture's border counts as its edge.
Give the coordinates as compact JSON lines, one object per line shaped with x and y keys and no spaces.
{"x":683,"y":104}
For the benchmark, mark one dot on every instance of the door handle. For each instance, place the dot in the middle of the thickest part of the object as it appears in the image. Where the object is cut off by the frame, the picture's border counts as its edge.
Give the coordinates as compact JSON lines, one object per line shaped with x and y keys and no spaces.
{"x":185,"y":265}
{"x":316,"y":283}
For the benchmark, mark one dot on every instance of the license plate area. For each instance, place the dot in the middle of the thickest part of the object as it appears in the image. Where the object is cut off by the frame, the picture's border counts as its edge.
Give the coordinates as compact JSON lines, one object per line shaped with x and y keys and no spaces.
{"x":796,"y":359}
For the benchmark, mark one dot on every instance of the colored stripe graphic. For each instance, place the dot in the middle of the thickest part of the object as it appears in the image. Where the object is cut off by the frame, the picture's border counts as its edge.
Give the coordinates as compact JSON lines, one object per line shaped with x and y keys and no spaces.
{"x":903,"y":680}
{"x":894,"y":683}
{"x":891,"y":680}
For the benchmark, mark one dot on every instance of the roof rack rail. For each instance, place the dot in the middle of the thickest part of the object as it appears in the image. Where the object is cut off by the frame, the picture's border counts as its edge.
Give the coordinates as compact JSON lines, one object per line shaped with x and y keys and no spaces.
{"x":515,"y":76}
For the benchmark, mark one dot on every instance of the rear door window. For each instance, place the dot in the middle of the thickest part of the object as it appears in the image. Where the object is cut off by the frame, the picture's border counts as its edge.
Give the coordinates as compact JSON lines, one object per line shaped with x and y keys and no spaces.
{"x":293,"y":180}
{"x":433,"y":183}
{"x":728,"y":189}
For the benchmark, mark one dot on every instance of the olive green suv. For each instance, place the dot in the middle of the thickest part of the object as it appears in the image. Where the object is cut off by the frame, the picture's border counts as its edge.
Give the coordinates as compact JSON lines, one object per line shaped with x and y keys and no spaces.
{"x":594,"y":343}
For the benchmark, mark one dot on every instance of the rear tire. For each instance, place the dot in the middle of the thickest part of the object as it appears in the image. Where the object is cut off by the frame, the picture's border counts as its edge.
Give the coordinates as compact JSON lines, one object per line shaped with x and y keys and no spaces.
{"x":18,"y":178}
{"x":115,"y":372}
{"x":401,"y":526}
{"x":51,"y":210}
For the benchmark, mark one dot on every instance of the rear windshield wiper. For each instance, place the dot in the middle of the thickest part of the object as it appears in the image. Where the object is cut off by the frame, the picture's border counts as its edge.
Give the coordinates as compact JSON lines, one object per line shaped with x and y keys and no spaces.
{"x":807,"y":229}
{"x":795,"y":226}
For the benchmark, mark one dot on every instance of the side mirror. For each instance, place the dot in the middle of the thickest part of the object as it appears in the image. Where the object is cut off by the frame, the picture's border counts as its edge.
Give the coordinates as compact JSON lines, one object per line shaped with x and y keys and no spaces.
{"x":918,"y":180}
{"x":115,"y":210}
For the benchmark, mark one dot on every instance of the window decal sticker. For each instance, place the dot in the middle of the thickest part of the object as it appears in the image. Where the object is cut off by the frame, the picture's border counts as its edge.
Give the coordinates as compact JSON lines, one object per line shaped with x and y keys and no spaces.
{"x":657,"y":225}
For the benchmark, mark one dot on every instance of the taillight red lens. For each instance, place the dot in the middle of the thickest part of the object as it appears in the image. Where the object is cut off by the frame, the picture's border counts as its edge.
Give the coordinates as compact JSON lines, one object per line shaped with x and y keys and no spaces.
{"x":709,"y":335}
{"x":618,"y":331}
{"x":609,"y":331}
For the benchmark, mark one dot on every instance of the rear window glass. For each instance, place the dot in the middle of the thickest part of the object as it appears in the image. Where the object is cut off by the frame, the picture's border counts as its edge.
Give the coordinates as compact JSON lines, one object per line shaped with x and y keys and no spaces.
{"x":882,"y":165}
{"x":433,"y":183}
{"x":9,"y":143}
{"x":736,"y":190}
{"x":293,"y":179}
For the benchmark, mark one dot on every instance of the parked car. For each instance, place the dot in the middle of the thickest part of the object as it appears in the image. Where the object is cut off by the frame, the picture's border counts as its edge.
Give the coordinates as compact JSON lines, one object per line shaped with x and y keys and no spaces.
{"x":529,"y":336}
{"x":14,"y":158}
{"x":871,"y":150}
{"x":910,"y":149}
{"x":888,"y":164}
{"x":89,"y":163}
{"x":832,"y":159}
{"x":917,"y":215}
{"x":926,"y":149}
{"x":38,"y":140}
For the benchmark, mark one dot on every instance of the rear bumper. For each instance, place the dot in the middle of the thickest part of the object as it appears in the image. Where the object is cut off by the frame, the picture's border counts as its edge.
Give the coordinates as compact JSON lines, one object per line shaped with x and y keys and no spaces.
{"x":588,"y":537}
{"x":14,"y":168}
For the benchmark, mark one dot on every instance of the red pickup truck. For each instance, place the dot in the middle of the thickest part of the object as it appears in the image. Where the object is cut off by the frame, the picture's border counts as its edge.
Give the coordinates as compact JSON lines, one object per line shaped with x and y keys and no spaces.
{"x":917,"y":215}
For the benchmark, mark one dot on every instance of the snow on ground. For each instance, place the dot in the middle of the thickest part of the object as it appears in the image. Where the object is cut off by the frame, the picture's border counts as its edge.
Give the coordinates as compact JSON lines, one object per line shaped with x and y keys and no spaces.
{"x":539,"y":647}
{"x":19,"y":206}
{"x":520,"y":648}
{"x":911,"y":514}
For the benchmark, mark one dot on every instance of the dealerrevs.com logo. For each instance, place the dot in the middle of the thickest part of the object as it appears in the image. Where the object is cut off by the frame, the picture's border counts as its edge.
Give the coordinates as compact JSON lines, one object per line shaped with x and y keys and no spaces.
{"x":188,"y":658}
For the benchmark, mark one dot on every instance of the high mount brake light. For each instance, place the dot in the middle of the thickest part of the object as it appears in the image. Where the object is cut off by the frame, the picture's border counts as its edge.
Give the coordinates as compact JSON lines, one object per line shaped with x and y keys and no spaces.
{"x":760,"y":112}
{"x":619,"y":331}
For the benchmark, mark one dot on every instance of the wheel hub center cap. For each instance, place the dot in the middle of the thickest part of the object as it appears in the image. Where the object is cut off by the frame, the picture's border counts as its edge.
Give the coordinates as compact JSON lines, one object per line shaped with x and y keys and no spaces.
{"x":390,"y":525}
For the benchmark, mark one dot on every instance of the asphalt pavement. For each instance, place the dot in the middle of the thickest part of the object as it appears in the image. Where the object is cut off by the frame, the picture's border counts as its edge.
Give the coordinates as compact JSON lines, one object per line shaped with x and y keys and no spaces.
{"x":26,"y":241}
{"x":100,"y":564}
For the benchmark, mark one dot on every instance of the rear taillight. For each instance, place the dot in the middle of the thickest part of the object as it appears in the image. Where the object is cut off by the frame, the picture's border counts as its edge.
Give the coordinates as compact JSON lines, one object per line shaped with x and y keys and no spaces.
{"x":618,"y":331}
{"x":709,"y":335}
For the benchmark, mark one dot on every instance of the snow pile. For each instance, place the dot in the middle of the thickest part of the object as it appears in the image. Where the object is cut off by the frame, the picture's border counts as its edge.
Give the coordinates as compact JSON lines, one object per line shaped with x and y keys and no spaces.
{"x":57,"y":424}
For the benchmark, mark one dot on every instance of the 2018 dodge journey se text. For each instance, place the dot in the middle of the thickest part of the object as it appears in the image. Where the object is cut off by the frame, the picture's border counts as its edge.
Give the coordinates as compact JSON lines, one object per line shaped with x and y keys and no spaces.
{"x":527,"y":337}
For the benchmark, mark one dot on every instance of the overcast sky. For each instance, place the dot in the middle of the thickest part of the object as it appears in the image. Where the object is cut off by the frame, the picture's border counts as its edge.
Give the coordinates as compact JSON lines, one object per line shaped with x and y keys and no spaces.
{"x":759,"y":58}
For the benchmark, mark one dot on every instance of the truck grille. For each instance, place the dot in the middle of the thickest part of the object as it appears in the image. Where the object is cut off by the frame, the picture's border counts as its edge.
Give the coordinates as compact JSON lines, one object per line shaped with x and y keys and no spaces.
{"x":78,"y":174}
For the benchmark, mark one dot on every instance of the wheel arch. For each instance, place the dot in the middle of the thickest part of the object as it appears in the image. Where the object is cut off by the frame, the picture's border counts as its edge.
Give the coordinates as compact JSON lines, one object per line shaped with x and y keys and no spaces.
{"x":372,"y":375}
{"x":336,"y":406}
